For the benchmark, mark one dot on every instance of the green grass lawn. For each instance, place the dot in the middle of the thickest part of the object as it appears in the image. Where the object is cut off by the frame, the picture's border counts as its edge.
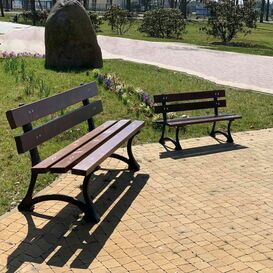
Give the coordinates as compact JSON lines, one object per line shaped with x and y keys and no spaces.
{"x":7,"y":16}
{"x":255,"y":108}
{"x":259,"y":42}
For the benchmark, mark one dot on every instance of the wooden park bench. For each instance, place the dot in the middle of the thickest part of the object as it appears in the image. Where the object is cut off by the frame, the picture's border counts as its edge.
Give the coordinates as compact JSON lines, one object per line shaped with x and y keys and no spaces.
{"x":81,"y":157}
{"x":214,"y":99}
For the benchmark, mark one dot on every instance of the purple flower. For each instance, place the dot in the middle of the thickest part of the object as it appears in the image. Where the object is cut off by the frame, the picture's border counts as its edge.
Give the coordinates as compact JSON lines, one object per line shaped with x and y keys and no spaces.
{"x":4,"y":54}
{"x":108,"y":83}
{"x":12,"y":54}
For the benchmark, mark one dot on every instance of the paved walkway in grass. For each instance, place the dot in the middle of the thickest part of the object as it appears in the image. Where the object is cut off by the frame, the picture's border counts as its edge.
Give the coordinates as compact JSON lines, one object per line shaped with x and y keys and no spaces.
{"x":233,"y":69}
{"x":208,"y":209}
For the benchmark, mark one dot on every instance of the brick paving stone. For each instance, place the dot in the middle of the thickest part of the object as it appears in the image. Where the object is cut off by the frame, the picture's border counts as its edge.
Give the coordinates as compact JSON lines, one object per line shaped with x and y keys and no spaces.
{"x":177,"y":214}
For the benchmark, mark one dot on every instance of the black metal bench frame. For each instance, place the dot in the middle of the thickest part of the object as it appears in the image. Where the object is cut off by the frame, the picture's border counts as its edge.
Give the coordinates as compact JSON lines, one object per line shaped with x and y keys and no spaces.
{"x":32,"y":137}
{"x":179,"y":102}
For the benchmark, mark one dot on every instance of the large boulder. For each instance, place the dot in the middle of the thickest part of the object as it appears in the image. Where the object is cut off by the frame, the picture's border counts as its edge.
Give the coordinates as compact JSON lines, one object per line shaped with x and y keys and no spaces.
{"x":70,"y":40}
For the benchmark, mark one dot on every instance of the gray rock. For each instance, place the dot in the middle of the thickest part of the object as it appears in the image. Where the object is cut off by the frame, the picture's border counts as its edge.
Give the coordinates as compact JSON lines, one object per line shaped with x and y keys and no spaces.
{"x":70,"y":39}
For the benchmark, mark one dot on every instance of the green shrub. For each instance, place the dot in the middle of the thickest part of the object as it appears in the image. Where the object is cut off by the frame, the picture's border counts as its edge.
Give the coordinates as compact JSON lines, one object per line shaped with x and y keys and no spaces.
{"x":227,"y":19}
{"x":40,"y":16}
{"x":96,"y":20}
{"x":119,"y":19}
{"x":163,"y":23}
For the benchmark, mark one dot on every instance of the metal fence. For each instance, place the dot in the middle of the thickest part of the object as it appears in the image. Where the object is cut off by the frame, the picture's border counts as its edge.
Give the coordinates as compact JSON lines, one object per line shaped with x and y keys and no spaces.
{"x":23,"y":4}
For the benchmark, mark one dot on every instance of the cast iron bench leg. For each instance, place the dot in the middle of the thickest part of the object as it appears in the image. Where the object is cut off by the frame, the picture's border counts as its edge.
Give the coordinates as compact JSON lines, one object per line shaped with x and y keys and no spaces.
{"x":177,"y":144}
{"x":131,"y":161}
{"x":162,"y":139}
{"x":227,"y":135}
{"x":26,"y":204}
{"x":90,"y":213}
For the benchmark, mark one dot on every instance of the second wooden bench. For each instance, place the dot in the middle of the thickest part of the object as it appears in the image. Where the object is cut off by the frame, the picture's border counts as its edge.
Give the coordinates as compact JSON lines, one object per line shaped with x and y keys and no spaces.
{"x":214,"y":99}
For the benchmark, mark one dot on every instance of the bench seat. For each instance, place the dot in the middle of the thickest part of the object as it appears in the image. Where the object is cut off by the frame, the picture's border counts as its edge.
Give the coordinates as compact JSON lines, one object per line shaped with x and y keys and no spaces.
{"x":199,"y":119}
{"x":89,"y":163}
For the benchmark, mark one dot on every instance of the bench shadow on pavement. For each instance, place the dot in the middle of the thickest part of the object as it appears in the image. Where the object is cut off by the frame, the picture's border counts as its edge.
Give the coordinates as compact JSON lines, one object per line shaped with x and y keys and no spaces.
{"x":66,"y":240}
{"x":201,"y":150}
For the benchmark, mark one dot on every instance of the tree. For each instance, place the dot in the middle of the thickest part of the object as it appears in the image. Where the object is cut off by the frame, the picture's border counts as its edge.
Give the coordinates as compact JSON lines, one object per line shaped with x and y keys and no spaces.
{"x":128,"y":5}
{"x":183,"y":6}
{"x":146,"y":4}
{"x":163,"y":23}
{"x":227,"y":19}
{"x":119,"y":19}
{"x":2,"y":8}
{"x":33,"y":11}
{"x":7,"y":5}
{"x":267,"y":10}
{"x":262,"y":11}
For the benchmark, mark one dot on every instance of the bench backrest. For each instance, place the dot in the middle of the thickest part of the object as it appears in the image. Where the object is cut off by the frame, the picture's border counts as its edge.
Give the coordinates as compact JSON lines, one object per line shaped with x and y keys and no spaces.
{"x":189,"y":101}
{"x":32,"y":137}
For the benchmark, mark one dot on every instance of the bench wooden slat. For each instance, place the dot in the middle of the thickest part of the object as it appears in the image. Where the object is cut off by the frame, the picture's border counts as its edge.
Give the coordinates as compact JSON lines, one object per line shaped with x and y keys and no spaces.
{"x":87,"y":165}
{"x":35,"y":137}
{"x":72,"y":159}
{"x":189,"y":106}
{"x":44,"y":165}
{"x":34,"y":111}
{"x":204,"y":119}
{"x":189,"y":96}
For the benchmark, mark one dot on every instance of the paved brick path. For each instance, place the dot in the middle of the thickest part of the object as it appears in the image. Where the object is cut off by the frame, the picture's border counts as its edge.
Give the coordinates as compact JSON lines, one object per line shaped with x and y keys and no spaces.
{"x":232,"y":69}
{"x":180,"y":213}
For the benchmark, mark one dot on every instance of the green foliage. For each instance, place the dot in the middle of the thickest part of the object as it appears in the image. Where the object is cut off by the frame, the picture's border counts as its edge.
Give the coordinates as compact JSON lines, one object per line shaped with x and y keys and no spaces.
{"x":40,"y":16}
{"x":119,"y":19}
{"x":227,"y":19}
{"x":32,"y":84}
{"x":96,"y":20}
{"x":15,"y":18}
{"x":163,"y":23}
{"x":250,"y":13}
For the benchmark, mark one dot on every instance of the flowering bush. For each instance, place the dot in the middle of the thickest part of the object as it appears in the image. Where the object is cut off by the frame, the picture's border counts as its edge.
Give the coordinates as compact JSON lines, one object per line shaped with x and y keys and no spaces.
{"x":7,"y":55}
{"x":126,"y":93}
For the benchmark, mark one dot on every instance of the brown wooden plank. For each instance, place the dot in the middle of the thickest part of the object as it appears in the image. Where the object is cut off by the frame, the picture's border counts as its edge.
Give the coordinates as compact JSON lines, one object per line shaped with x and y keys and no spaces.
{"x":189,"y":106}
{"x":202,"y":119}
{"x":88,"y":165}
{"x":44,"y":165}
{"x":36,"y":110}
{"x":33,"y":138}
{"x":189,"y":96}
{"x":72,"y":159}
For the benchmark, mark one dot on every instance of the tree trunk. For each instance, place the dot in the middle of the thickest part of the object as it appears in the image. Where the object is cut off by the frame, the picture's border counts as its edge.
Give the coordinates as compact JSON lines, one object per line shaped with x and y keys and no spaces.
{"x":183,"y":7}
{"x":171,"y":4}
{"x":162,"y":4}
{"x":25,"y":5}
{"x":267,"y":10}
{"x":7,"y":4}
{"x":128,"y":5}
{"x":33,"y":11}
{"x":40,"y":5}
{"x":86,"y":4}
{"x":2,"y":8}
{"x":262,"y":12}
